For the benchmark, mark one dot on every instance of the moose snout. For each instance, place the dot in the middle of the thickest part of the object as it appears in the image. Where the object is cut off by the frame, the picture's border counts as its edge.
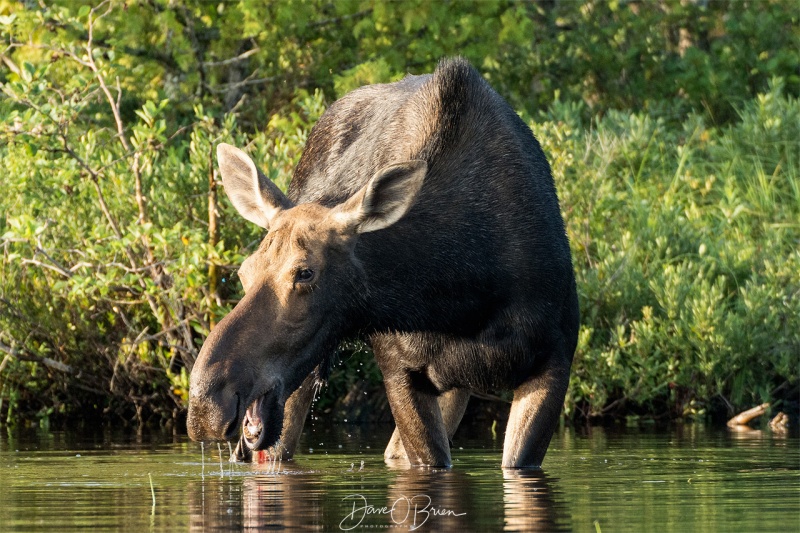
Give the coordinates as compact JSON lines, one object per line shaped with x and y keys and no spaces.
{"x":195,"y":423}
{"x":214,"y":399}
{"x":216,"y":402}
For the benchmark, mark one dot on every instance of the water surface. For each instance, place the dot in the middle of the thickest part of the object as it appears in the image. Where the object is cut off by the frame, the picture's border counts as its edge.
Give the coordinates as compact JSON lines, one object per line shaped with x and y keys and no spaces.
{"x":688,"y":478}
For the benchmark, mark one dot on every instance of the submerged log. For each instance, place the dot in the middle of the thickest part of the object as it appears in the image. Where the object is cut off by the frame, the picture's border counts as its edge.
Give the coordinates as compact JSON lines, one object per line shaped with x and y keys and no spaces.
{"x":746,"y":416}
{"x":778,"y":424}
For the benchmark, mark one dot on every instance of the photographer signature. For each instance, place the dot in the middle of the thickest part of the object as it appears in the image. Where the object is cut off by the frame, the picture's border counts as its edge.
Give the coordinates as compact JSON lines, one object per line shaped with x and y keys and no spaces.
{"x":412,"y":512}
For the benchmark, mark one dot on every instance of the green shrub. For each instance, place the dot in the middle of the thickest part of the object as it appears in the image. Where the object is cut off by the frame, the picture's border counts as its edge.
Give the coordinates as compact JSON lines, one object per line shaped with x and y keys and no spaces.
{"x":676,"y":163}
{"x":686,"y":248}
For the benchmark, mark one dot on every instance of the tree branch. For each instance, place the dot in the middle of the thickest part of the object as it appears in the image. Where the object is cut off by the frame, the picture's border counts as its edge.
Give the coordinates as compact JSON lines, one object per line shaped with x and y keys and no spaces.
{"x":225,"y":87}
{"x":54,"y":268}
{"x":10,"y":64}
{"x":233,"y":60}
{"x":27,"y":356}
{"x":100,"y":79}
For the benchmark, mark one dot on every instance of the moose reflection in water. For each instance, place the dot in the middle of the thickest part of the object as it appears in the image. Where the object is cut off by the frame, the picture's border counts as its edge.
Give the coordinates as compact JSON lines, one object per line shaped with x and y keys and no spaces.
{"x":427,"y":500}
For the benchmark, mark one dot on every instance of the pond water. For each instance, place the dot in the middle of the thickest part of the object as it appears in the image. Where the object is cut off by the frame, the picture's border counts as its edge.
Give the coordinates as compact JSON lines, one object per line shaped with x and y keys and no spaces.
{"x":687,"y":478}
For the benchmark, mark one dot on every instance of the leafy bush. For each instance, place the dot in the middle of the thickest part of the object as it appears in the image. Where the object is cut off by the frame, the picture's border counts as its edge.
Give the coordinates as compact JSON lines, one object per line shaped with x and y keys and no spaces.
{"x":686,"y":247}
{"x":670,"y":57}
{"x":115,"y":261}
{"x":681,"y":194}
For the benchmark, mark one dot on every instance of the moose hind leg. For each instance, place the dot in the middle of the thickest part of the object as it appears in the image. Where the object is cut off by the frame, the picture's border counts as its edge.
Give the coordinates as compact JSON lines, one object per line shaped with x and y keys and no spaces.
{"x":452,"y":404}
{"x":534,"y":414}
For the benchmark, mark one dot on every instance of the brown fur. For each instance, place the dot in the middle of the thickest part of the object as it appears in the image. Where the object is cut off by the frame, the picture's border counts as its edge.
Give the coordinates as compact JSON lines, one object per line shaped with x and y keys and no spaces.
{"x":423,"y":218}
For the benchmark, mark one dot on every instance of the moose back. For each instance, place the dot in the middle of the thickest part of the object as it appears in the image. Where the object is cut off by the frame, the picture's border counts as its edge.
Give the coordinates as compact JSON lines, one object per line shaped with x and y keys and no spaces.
{"x":423,"y":218}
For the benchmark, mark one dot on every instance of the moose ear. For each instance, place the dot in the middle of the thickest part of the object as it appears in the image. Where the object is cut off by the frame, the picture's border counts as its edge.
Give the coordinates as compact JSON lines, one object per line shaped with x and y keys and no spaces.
{"x":255,"y":197}
{"x":385,"y":198}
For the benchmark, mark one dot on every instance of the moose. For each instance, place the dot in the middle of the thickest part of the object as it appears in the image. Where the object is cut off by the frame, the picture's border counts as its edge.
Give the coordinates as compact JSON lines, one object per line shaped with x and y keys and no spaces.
{"x":423,"y":218}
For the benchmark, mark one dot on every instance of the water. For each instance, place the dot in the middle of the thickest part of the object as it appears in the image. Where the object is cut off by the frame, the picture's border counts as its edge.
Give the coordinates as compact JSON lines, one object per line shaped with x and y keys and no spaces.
{"x":690,"y":478}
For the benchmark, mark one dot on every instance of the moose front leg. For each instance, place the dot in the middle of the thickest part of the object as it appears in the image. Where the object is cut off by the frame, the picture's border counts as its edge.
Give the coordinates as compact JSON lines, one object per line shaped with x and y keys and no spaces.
{"x":419,"y":421}
{"x":535,"y":412}
{"x":452,"y":404}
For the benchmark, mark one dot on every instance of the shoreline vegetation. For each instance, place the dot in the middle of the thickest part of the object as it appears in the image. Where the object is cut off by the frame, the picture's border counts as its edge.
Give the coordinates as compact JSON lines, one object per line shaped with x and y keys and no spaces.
{"x":672,"y":128}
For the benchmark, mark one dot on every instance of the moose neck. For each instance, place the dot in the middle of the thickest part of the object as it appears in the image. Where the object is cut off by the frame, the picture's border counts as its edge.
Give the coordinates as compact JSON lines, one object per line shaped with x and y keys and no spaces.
{"x":418,"y":280}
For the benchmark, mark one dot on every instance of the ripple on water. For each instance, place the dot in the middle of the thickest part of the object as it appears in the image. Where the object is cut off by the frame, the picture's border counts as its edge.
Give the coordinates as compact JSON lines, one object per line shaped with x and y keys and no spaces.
{"x":630,"y":480}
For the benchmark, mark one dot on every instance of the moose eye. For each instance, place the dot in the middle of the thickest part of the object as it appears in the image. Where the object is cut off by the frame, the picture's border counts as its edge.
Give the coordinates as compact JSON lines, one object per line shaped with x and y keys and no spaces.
{"x":304,"y":275}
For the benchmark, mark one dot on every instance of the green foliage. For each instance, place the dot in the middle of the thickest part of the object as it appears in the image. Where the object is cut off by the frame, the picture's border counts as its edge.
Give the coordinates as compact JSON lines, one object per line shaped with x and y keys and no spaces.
{"x":670,"y":57}
{"x":686,"y":247}
{"x":682,"y":199}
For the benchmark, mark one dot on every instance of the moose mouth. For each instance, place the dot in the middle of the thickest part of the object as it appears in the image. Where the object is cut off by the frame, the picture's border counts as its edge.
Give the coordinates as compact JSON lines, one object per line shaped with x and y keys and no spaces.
{"x":262,"y":422}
